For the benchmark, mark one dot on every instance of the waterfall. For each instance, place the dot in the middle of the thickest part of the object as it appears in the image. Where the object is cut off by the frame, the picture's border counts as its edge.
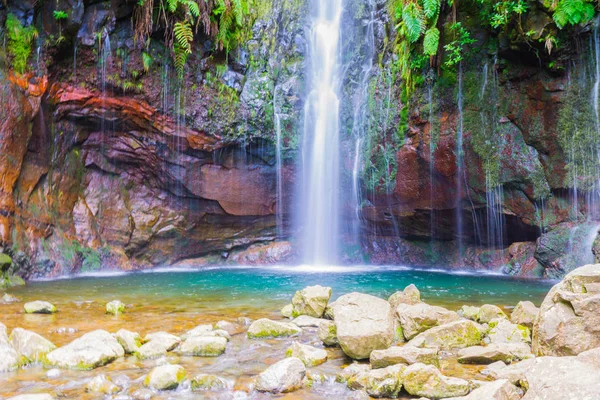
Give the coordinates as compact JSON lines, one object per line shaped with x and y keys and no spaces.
{"x":594,"y":201}
{"x":278,"y":165}
{"x":459,"y":163}
{"x":432,"y":145}
{"x":319,"y":205}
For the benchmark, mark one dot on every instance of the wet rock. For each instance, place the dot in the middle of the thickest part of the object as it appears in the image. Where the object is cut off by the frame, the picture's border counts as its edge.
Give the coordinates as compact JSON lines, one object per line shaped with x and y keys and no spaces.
{"x":157,"y":344}
{"x":206,"y":382}
{"x":9,"y":359}
{"x":457,"y":334}
{"x":403,"y":355}
{"x":98,"y":21}
{"x":352,"y":371}
{"x":115,"y":307}
{"x":304,"y":321}
{"x":264,"y":254}
{"x":418,"y":318}
{"x":165,"y":377}
{"x":38,"y":396}
{"x":9,"y":299}
{"x":506,"y":352}
{"x":469,"y":312}
{"x":569,"y":317}
{"x":310,"y":356}
{"x":503,"y":331}
{"x":130,"y":341}
{"x":39,"y":307}
{"x":513,"y":373}
{"x":498,"y":390}
{"x":384,"y":382}
{"x":364,"y":323}
{"x":10,"y":281}
{"x":488,"y":312}
{"x":524,"y":313}
{"x":202,"y":346}
{"x":282,"y":377}
{"x":30,"y":346}
{"x":327,"y":333}
{"x":102,"y":384}
{"x":410,"y":295}
{"x":311,"y":301}
{"x":90,"y":351}
{"x":200,"y":330}
{"x":228,"y":327}
{"x":287,"y":311}
{"x":428,"y":381}
{"x":264,"y":327}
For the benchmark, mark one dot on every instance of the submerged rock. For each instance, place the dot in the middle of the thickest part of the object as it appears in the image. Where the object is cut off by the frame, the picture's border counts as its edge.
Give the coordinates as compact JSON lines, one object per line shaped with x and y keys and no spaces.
{"x":311,"y":301}
{"x":428,"y":381}
{"x":157,"y":344}
{"x":503,"y":331}
{"x":115,"y":307}
{"x":9,"y":299}
{"x":39,"y":307}
{"x":310,"y":356}
{"x":327,"y":333}
{"x":569,"y":317}
{"x":202,"y":346}
{"x":498,"y":390}
{"x":102,"y":384}
{"x":403,"y":355}
{"x":455,"y":335}
{"x":282,"y":377}
{"x":206,"y":382}
{"x":506,"y":352}
{"x":364,"y":323}
{"x":524,"y":313}
{"x":265,"y":327}
{"x":410,"y":295}
{"x":418,"y":318}
{"x":165,"y":377}
{"x":30,"y":346}
{"x":130,"y":341}
{"x":92,"y":350}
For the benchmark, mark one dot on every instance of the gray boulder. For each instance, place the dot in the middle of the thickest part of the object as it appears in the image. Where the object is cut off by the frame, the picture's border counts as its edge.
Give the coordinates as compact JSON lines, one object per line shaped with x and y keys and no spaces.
{"x":403,"y":355}
{"x":165,"y":377}
{"x":39,"y":307}
{"x":506,"y":352}
{"x":503,"y":331}
{"x":310,"y":356}
{"x":92,"y":350}
{"x":420,"y":317}
{"x":30,"y":346}
{"x":327,"y":333}
{"x":410,"y":295}
{"x":489,"y":312}
{"x":130,"y":341}
{"x":428,"y":381}
{"x":157,"y":344}
{"x":202,"y":346}
{"x":264,"y":328}
{"x":9,"y":359}
{"x":524,"y":314}
{"x":311,"y":301}
{"x":455,"y":335}
{"x":282,"y":377}
{"x":498,"y":390}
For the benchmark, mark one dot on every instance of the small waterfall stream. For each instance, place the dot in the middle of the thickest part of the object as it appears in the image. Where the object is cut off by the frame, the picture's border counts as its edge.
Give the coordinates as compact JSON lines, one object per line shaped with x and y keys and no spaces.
{"x":319,"y":205}
{"x":460,"y":167}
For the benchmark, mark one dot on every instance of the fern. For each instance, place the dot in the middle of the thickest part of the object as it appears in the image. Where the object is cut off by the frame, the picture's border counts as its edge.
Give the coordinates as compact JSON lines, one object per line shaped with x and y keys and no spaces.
{"x":431,"y":8}
{"x":146,"y":61}
{"x":414,"y":21}
{"x":184,"y":35}
{"x":431,"y":41}
{"x":180,"y":56}
{"x":573,"y":12}
{"x":172,"y":5}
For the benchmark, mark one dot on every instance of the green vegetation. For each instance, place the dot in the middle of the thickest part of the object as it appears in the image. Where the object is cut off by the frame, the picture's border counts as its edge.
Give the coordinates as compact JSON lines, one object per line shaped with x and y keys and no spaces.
{"x":20,"y":42}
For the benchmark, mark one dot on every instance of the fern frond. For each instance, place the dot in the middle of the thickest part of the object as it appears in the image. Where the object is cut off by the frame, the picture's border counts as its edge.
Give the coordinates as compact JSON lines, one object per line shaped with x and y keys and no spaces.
{"x":431,"y":8}
{"x":414,"y":21}
{"x":184,"y":35}
{"x":431,"y":41}
{"x":172,"y":5}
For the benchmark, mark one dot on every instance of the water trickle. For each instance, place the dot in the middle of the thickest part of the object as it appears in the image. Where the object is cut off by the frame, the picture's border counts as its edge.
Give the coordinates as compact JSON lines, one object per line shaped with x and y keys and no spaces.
{"x":278,"y":165}
{"x":459,"y":164}
{"x":319,"y":206}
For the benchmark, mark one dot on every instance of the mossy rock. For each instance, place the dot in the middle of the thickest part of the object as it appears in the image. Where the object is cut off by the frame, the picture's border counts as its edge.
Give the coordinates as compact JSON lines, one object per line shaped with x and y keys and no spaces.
{"x":5,"y":263}
{"x":207,"y":382}
{"x":264,"y":328}
{"x":165,"y":377}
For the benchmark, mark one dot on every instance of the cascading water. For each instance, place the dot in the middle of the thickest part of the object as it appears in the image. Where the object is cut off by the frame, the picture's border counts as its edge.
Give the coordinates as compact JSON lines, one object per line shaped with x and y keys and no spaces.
{"x":459,"y":164}
{"x":278,"y":164}
{"x":319,"y":205}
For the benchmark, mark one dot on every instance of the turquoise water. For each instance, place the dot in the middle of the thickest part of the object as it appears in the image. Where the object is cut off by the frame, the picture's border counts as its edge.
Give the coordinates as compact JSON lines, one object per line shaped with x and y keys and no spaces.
{"x":251,"y":287}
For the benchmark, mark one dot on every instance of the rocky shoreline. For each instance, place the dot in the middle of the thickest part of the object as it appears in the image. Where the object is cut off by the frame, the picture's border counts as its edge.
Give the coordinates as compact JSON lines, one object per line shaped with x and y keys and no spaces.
{"x":401,"y":347}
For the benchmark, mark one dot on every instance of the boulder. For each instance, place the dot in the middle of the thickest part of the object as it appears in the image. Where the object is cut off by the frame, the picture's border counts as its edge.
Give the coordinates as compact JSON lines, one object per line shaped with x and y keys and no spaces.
{"x":92,"y":350}
{"x":202,"y":346}
{"x":384,"y":382}
{"x":428,"y":381}
{"x":165,"y":377}
{"x":206,"y":382}
{"x":403,"y":355}
{"x":102,"y":384}
{"x":157,"y":344}
{"x":364,"y":323}
{"x":311,"y":301}
{"x":410,"y":295}
{"x":503,"y":331}
{"x":513,"y":373}
{"x":498,"y":390}
{"x":30,"y":346}
{"x":9,"y":359}
{"x":5,"y":263}
{"x":418,"y":318}
{"x":130,"y":341}
{"x":568,"y":322}
{"x":489,"y":312}
{"x":506,"y":352}
{"x":200,"y":330}
{"x":590,"y":357}
{"x":287,"y":311}
{"x":524,"y":313}
{"x":37,"y":396}
{"x":327,"y":333}
{"x":282,"y":377}
{"x":265,"y":327}
{"x":455,"y":335}
{"x":115,"y":307}
{"x":310,"y":356}
{"x":352,"y":371}
{"x":39,"y":307}
{"x":469,"y":312}
{"x":304,"y":321}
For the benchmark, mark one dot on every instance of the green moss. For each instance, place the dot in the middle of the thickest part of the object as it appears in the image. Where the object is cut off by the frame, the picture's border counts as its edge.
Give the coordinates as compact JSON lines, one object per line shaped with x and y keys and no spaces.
{"x":20,"y":40}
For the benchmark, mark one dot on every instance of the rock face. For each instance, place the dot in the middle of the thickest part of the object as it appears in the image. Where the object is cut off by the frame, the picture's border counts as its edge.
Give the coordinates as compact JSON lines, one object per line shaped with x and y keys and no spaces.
{"x":418,"y":318}
{"x":428,"y":381}
{"x":311,"y":301}
{"x":310,"y":356}
{"x":569,"y":319}
{"x":264,"y":327}
{"x":90,"y":351}
{"x":403,"y":355}
{"x":30,"y":346}
{"x":39,"y":307}
{"x":282,"y":377}
{"x":364,"y":323}
{"x":457,"y":334}
{"x":165,"y":377}
{"x":508,"y":353}
{"x":524,"y":313}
